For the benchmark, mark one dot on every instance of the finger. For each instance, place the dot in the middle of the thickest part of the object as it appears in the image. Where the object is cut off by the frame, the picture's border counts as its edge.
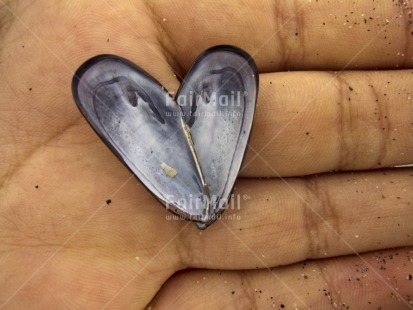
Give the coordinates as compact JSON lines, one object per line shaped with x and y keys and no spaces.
{"x":380,"y":280}
{"x":295,"y":35}
{"x":310,"y":122}
{"x":282,"y":222}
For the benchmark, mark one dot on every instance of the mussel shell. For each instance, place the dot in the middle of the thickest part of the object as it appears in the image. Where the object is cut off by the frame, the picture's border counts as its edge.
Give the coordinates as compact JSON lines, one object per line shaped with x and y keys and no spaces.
{"x":144,"y":126}
{"x":218,"y":97}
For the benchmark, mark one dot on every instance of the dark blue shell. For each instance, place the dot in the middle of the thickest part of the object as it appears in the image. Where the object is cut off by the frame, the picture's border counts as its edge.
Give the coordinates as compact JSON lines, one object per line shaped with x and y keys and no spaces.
{"x":186,"y":150}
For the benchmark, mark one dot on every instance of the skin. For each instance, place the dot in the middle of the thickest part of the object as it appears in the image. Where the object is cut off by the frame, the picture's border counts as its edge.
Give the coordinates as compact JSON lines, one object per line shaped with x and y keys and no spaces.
{"x":334,"y":240}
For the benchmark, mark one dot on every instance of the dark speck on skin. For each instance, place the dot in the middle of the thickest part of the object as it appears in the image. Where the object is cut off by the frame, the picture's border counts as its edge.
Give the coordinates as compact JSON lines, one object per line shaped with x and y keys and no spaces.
{"x":109,"y":201}
{"x":282,"y":306}
{"x":37,"y":186}
{"x":410,"y":277}
{"x":30,"y":89}
{"x":233,"y":292}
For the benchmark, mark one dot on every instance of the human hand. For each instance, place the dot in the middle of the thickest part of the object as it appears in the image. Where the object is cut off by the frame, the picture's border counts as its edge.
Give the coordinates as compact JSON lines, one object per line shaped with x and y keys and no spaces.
{"x":64,"y":244}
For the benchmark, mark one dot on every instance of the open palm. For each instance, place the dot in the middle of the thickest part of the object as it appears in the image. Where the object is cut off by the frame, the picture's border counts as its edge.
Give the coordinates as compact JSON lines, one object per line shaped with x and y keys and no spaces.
{"x":77,"y":230}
